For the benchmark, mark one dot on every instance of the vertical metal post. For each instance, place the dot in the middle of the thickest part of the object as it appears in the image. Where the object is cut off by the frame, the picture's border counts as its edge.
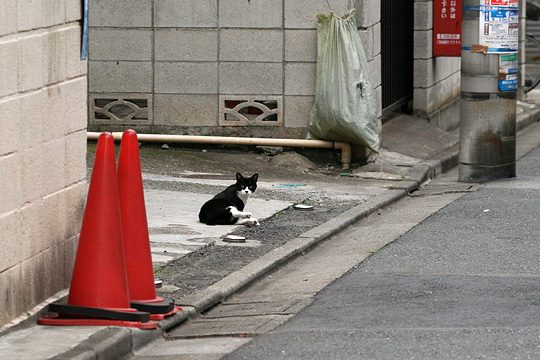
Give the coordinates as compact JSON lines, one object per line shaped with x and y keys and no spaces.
{"x":84,"y":42}
{"x":488,"y":114}
{"x":522,"y":44}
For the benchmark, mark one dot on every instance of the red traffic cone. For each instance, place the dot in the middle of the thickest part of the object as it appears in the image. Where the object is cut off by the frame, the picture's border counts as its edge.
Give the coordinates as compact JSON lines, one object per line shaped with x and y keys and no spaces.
{"x":98,"y":294}
{"x":140,"y":273}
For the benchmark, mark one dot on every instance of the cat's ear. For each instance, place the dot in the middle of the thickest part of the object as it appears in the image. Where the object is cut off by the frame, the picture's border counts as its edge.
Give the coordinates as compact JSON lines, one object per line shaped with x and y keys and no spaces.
{"x":239,"y":177}
{"x":255,"y":176}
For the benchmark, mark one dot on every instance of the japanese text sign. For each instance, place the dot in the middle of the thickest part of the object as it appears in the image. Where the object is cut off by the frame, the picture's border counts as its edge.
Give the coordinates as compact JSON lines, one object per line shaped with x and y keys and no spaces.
{"x":447,"y":27}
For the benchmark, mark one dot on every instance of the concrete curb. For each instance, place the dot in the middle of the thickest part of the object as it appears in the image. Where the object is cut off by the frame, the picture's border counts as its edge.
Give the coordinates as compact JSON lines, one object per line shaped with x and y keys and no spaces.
{"x":419,"y":173}
{"x":235,"y":281}
{"x":429,"y":169}
{"x":118,"y":342}
{"x":242,"y":277}
{"x":530,"y":115}
{"x":107,"y":343}
{"x":114,"y":343}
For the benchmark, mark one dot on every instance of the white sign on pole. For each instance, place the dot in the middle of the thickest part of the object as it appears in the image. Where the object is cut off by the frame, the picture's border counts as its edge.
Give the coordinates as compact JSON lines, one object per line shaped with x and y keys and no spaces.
{"x":499,"y":29}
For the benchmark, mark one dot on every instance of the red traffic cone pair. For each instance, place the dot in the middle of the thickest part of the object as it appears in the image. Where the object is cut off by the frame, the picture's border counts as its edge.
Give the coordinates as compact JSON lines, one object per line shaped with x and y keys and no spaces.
{"x":106,"y":287}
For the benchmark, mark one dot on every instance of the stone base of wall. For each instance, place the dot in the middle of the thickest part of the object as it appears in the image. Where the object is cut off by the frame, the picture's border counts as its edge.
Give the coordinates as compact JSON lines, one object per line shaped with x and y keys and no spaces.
{"x":30,"y":282}
{"x":446,"y":118}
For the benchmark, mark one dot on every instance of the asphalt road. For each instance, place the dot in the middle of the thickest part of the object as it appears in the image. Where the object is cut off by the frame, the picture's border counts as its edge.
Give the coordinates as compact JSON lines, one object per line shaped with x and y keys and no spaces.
{"x":462,"y":284}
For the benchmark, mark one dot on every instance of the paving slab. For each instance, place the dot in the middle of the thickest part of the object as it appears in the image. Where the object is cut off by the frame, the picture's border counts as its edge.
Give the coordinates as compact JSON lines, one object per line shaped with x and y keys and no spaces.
{"x":239,"y":326}
{"x":415,"y":137}
{"x":269,"y":307}
{"x":46,"y":341}
{"x":189,"y":349}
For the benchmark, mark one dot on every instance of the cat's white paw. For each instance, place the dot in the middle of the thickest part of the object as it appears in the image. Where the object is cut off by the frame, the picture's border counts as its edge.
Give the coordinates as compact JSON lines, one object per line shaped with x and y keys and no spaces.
{"x":245,"y":215}
{"x":248,"y":222}
{"x":252,"y":222}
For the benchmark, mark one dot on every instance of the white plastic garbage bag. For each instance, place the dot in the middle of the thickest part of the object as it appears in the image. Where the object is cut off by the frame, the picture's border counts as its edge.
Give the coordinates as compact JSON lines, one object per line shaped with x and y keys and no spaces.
{"x":345,"y":106}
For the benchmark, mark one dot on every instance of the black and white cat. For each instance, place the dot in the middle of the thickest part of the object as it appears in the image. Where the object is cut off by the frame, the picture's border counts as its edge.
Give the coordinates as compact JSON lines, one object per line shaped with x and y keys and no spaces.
{"x":227,"y":207}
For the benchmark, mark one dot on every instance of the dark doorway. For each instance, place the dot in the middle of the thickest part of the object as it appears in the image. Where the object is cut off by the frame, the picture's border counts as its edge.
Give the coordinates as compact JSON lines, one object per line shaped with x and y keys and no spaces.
{"x":397,"y":40}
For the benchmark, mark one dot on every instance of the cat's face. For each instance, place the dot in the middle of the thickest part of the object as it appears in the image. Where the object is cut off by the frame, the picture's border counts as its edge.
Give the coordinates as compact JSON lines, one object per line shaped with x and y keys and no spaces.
{"x":246,"y":186}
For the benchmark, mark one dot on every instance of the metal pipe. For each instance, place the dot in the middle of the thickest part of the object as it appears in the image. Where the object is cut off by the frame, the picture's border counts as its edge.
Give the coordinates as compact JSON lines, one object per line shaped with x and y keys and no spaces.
{"x":345,"y":148}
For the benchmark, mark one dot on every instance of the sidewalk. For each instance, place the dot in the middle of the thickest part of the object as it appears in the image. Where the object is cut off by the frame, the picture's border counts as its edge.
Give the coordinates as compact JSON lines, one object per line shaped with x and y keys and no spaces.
{"x":199,"y":269}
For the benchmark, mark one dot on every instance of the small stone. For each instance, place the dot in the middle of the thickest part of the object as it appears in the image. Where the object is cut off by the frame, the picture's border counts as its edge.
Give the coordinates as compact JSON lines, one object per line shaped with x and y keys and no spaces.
{"x":234,"y":239}
{"x":165,"y":146}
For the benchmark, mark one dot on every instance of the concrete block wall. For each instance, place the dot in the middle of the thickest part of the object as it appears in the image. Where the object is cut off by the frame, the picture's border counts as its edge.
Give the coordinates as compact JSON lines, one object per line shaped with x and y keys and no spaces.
{"x":42,"y":151}
{"x":185,"y":58}
{"x":436,"y":79}
{"x":369,"y":23}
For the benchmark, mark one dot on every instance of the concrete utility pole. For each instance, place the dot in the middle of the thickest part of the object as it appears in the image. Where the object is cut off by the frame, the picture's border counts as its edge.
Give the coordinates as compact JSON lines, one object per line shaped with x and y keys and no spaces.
{"x":488,"y":90}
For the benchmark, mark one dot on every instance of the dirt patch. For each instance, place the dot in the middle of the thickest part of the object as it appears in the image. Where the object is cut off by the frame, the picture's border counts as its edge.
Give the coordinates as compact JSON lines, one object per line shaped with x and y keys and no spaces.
{"x":204,"y":267}
{"x":220,"y":163}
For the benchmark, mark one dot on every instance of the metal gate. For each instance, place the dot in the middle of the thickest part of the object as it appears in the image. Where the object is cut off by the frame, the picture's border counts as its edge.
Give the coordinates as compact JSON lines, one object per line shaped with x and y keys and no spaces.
{"x":397,"y":39}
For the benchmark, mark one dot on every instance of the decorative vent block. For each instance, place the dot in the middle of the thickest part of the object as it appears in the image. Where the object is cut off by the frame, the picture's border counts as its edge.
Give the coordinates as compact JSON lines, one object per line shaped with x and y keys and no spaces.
{"x":122,"y":109}
{"x":251,"y":111}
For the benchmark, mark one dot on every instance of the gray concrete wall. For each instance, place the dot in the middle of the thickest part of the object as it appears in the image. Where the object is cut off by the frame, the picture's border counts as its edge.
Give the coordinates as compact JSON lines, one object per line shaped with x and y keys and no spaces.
{"x":42,"y":151}
{"x":181,"y":60}
{"x":436,"y":80}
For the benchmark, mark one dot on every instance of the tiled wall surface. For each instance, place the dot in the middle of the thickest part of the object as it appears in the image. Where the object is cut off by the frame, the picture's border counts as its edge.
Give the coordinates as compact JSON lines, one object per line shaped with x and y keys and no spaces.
{"x":191,"y":56}
{"x":42,"y":151}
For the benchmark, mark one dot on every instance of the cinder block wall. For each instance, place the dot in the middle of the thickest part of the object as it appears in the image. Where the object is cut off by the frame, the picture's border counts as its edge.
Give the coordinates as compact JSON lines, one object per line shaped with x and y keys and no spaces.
{"x":436,"y":80}
{"x":369,"y":23}
{"x":177,"y":66}
{"x":42,"y":149}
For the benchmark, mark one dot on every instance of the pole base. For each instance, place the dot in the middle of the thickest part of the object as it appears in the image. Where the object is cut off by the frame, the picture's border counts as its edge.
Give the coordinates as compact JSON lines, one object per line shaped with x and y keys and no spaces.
{"x":479,"y":174}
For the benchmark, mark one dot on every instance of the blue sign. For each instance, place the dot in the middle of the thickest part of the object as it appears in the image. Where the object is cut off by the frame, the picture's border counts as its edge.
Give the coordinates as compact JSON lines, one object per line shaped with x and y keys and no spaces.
{"x":508,"y":85}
